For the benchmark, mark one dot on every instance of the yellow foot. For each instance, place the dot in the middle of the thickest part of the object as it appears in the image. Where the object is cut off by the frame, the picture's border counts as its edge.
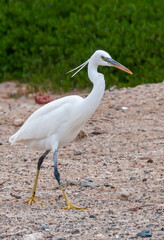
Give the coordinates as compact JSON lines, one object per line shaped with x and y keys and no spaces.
{"x":33,"y":199}
{"x":70,"y":206}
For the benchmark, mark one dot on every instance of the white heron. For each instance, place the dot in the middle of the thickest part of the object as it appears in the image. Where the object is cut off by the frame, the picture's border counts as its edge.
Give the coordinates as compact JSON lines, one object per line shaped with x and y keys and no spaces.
{"x":57,"y":123}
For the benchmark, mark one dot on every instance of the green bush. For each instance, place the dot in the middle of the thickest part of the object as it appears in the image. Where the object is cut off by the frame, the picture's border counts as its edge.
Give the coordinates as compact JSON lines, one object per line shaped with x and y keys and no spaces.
{"x":40,"y":40}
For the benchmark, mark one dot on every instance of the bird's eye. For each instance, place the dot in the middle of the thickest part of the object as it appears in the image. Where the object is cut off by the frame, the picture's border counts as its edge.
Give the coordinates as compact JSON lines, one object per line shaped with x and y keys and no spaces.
{"x":103,"y":58}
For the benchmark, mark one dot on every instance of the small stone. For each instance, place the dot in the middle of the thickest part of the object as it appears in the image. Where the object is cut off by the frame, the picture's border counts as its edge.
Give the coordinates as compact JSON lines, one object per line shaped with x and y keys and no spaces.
{"x":144,"y":179}
{"x":119,"y":170}
{"x":27,"y":182}
{"x":45,"y":227}
{"x":145,"y":233}
{"x":81,"y":135}
{"x":160,"y":234}
{"x":25,"y":159}
{"x":34,"y":236}
{"x":1,"y":143}
{"x":108,"y":229}
{"x":132,"y":178}
{"x":43,"y":98}
{"x":118,"y":108}
{"x":92,"y":216}
{"x":100,"y":236}
{"x":77,"y":153}
{"x":110,"y":211}
{"x":150,"y":160}
{"x":18,"y":122}
{"x":86,"y":183}
{"x":124,"y":108}
{"x":146,"y":171}
{"x":76,"y":231}
{"x":53,"y":227}
{"x":15,"y":196}
{"x":71,"y":182}
{"x":106,"y":185}
{"x":150,"y":225}
{"x":124,"y":194}
{"x":88,"y":180}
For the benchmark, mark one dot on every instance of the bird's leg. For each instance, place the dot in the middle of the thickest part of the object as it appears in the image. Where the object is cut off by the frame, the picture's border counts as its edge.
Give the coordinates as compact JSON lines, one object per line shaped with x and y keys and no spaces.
{"x":57,"y":176}
{"x":32,"y":198}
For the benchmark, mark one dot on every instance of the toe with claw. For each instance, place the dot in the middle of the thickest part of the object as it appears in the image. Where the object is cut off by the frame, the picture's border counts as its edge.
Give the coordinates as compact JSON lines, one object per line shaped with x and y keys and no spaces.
{"x":33,"y":199}
{"x":70,"y":206}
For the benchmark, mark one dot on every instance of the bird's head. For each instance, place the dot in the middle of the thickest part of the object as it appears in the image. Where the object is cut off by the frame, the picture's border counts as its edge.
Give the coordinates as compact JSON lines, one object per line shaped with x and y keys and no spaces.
{"x":101,"y":58}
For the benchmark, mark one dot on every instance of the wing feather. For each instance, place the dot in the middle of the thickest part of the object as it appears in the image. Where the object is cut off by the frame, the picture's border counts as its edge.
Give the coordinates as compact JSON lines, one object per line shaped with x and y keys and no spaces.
{"x":47,"y":120}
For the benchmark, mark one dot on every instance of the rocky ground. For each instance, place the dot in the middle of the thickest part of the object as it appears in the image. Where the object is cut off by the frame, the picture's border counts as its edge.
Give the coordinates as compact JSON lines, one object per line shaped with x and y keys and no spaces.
{"x":115,"y":167}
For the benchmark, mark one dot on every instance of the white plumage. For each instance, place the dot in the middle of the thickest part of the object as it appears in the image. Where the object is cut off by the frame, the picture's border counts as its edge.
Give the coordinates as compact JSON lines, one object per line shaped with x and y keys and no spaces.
{"x":58,"y":123}
{"x":43,"y":129}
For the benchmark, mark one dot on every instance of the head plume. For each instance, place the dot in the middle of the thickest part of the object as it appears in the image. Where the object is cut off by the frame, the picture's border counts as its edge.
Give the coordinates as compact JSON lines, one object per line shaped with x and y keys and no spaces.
{"x":79,"y":68}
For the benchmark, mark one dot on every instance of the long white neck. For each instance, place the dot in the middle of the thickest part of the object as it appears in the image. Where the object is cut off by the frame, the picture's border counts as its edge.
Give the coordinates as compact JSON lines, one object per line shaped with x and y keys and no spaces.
{"x":91,"y":102}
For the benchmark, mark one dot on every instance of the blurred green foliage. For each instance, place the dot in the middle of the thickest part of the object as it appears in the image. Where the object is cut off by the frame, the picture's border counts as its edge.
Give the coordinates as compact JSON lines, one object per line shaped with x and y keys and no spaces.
{"x":40,"y":40}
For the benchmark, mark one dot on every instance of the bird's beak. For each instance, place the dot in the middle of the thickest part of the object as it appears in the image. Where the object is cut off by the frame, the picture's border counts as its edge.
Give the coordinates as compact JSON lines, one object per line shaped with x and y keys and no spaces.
{"x":117,"y":65}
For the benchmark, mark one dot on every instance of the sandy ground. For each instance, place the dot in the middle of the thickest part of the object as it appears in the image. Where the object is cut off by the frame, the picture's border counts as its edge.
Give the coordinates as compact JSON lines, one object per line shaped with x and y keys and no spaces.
{"x":121,"y":157}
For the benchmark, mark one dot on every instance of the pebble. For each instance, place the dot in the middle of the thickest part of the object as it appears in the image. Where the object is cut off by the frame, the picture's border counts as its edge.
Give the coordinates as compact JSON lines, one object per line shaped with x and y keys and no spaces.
{"x":160,"y":234}
{"x":150,"y":160}
{"x":150,"y":225}
{"x":86,"y":183}
{"x":77,"y":153}
{"x":1,"y":143}
{"x":118,"y":108}
{"x":34,"y":236}
{"x":100,"y":236}
{"x":18,"y":122}
{"x":92,"y":216}
{"x":87,"y":179}
{"x":106,"y":185}
{"x":81,"y":135}
{"x":76,"y":231}
{"x":124,"y":194}
{"x":119,"y":170}
{"x":109,"y":229}
{"x":71,"y":182}
{"x":144,"y":179}
{"x":145,"y":233}
{"x":124,"y":108}
{"x":110,"y":211}
{"x":132,"y":178}
{"x":27,"y":182}
{"x":45,"y":227}
{"x":25,"y":159}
